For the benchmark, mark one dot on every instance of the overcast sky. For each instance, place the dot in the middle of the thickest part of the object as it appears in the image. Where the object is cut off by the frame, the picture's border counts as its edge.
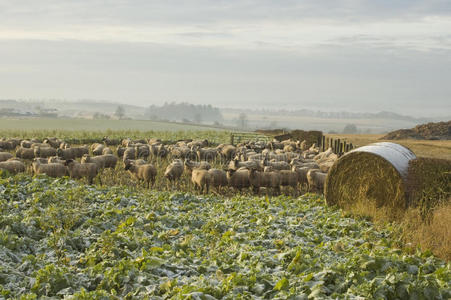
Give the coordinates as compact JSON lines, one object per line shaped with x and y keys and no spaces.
{"x":329,"y":55}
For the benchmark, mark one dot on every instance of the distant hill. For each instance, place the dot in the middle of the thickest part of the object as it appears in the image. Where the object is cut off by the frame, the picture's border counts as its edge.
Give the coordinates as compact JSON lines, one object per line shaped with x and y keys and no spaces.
{"x":334,"y":114}
{"x":429,"y":131}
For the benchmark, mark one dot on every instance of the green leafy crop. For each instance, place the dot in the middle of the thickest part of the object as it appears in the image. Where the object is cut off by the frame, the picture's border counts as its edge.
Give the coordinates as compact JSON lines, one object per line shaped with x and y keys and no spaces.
{"x":59,"y":238}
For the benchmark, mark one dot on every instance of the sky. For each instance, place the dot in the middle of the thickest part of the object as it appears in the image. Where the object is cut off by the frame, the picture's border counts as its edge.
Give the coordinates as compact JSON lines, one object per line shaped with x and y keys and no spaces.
{"x":330,"y":55}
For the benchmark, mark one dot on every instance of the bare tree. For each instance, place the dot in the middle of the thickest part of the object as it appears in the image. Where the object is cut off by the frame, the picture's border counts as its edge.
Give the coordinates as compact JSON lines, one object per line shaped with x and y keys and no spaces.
{"x":242,"y":121}
{"x":120,"y":112}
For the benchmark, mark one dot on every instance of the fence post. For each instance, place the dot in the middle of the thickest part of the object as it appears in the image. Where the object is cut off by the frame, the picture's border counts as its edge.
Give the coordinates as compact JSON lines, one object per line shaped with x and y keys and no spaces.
{"x":323,"y":143}
{"x":231,"y":139}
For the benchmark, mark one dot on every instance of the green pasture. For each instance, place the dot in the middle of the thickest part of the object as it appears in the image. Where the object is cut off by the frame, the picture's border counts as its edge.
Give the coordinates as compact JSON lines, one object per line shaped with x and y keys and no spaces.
{"x":96,"y":125}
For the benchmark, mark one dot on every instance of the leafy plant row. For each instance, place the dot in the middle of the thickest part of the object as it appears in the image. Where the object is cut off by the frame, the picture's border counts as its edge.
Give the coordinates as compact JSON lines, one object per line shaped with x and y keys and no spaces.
{"x":60,"y":238}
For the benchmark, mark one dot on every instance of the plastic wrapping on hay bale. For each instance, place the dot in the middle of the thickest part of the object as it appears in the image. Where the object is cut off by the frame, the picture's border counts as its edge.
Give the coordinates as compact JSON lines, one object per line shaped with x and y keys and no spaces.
{"x":372,"y":176}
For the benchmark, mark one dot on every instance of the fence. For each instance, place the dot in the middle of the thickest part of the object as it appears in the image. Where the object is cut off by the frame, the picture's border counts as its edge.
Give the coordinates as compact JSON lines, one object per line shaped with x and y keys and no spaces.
{"x":338,"y":146}
{"x":239,"y":137}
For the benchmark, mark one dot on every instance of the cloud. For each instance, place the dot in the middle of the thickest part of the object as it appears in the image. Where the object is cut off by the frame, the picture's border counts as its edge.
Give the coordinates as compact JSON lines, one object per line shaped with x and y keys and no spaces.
{"x":342,"y":53}
{"x":413,"y":24}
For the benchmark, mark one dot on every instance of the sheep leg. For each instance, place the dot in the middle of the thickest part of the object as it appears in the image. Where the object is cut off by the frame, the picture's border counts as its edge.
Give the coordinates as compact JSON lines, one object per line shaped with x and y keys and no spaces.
{"x":256,"y":190}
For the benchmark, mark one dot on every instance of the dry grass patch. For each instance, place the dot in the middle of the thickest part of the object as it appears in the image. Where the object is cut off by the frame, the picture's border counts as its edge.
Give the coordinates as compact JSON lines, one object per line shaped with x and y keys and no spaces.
{"x":421,"y":148}
{"x":434,"y":235}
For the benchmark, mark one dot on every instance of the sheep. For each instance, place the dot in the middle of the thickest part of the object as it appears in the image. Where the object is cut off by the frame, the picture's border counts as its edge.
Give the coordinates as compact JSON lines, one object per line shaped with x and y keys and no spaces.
{"x":325,"y":166}
{"x":120,"y":151}
{"x":125,"y":142}
{"x":53,"y":142}
{"x":15,"y":159}
{"x":259,"y":179}
{"x":12,"y":143}
{"x":12,"y":166}
{"x":289,"y":178}
{"x":97,"y":149}
{"x":280,"y":157}
{"x":41,"y":160}
{"x":102,"y":161}
{"x":316,"y":180}
{"x":268,"y":169}
{"x":55,"y":159}
{"x":64,"y":145}
{"x":177,"y":151}
{"x":144,"y":172}
{"x":198,"y":144}
{"x":289,"y":148}
{"x":227,"y":152}
{"x":275,"y":145}
{"x":183,"y":152}
{"x":325,"y":160}
{"x":174,"y":170}
{"x":136,"y":162}
{"x":44,"y":152}
{"x":52,"y":169}
{"x":77,"y":170}
{"x":303,"y":146}
{"x":107,"y":150}
{"x":302,"y":174}
{"x":324,"y":154}
{"x":208,"y":154}
{"x":154,"y":141}
{"x":190,"y":165}
{"x":110,"y":142}
{"x":142,"y":151}
{"x":80,"y":151}
{"x":25,"y":144}
{"x":5,"y":156}
{"x":158,"y":150}
{"x":5,"y":145}
{"x":140,"y":141}
{"x":310,"y":164}
{"x":69,"y":153}
{"x":129,"y":153}
{"x":238,"y":179}
{"x":201,"y":179}
{"x":256,"y":156}
{"x":218,"y":178}
{"x":236,"y":164}
{"x":35,"y":145}
{"x":277,"y":165}
{"x":25,"y":153}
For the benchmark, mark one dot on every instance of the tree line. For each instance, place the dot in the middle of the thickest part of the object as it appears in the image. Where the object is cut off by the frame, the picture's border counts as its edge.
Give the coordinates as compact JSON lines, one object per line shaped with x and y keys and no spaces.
{"x":185,"y":112}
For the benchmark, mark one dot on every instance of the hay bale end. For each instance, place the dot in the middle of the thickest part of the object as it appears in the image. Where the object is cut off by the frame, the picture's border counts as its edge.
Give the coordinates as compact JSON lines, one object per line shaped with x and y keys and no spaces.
{"x":370,"y":176}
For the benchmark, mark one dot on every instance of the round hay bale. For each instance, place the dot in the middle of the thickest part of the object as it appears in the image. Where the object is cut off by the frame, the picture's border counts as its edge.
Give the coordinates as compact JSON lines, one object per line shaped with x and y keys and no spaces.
{"x":370,"y":178}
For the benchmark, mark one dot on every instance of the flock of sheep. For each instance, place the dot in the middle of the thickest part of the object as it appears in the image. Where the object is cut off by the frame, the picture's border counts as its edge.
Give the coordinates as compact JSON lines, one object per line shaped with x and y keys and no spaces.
{"x":255,"y":165}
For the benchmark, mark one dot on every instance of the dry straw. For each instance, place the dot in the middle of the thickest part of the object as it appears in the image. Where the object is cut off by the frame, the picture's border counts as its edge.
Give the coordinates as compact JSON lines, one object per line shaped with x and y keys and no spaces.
{"x":429,"y":184}
{"x":366,"y":181}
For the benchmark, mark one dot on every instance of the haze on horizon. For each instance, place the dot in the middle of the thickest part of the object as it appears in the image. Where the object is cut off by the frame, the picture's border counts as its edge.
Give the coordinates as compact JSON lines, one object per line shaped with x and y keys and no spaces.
{"x":327,"y":55}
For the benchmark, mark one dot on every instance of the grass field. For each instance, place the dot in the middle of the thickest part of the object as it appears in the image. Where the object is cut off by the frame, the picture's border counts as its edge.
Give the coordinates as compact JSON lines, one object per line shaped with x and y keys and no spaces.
{"x":97,"y":125}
